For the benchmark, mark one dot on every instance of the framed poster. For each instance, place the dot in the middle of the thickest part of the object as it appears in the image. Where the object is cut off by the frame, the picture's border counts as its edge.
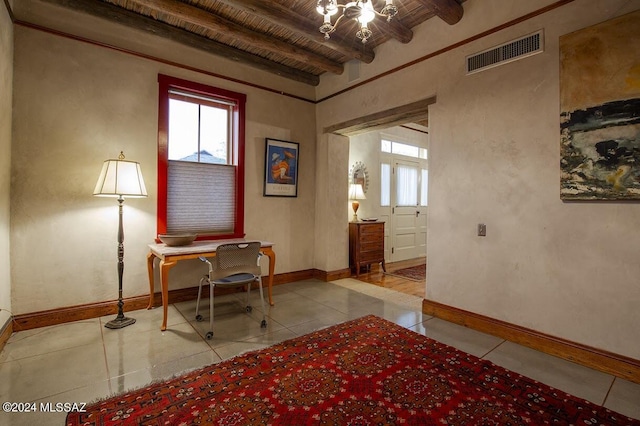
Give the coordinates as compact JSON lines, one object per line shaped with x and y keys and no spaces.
{"x":281,"y":168}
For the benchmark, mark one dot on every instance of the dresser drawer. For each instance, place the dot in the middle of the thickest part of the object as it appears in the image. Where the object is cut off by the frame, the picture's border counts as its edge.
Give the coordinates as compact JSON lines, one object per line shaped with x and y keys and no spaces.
{"x":372,"y":228}
{"x":370,"y":246}
{"x":371,"y":238}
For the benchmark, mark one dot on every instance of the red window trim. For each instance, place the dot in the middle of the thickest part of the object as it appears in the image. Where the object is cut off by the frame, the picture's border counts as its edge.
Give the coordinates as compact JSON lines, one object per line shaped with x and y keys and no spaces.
{"x":165,"y":83}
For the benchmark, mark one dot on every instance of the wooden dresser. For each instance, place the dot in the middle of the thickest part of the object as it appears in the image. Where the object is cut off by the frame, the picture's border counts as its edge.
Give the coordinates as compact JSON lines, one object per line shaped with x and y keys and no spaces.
{"x":366,"y":245}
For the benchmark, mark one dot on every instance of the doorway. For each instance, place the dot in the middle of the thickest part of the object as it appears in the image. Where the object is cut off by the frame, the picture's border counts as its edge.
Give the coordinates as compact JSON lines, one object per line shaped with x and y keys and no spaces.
{"x":397,"y":189}
{"x":408,"y":117}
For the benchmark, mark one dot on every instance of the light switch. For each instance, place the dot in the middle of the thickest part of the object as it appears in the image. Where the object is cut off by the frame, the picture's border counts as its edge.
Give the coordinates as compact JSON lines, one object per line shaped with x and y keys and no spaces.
{"x":482,"y":230}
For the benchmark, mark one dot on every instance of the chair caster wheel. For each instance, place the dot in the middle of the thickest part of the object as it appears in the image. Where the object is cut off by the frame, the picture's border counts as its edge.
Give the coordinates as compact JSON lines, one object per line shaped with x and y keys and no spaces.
{"x":209,"y":335}
{"x":198,"y":318}
{"x":249,"y":308}
{"x":263,"y":324}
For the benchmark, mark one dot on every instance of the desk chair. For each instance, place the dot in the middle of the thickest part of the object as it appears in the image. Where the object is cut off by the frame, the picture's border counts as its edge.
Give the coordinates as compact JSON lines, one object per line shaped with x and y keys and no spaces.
{"x":235,"y":264}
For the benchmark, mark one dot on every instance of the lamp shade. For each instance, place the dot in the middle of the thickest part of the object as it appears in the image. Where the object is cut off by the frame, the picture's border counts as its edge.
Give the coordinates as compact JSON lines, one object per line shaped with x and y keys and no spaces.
{"x":120,"y":178}
{"x":356,"y":192}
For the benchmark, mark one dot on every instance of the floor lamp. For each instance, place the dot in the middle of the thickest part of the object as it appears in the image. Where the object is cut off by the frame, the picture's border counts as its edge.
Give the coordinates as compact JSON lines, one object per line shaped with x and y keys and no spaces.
{"x":120,"y":178}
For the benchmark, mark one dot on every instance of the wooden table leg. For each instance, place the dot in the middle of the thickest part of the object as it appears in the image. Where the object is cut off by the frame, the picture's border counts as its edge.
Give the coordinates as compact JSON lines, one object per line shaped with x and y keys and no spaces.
{"x":272,"y":266}
{"x":164,"y":283}
{"x":150,"y":258}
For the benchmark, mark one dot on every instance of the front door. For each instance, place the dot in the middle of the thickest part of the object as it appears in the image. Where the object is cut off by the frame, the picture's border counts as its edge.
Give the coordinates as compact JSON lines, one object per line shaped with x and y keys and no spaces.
{"x":409,"y":218}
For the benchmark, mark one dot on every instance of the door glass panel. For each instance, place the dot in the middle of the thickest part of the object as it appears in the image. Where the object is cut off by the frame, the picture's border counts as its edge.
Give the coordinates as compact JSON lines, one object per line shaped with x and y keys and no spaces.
{"x":424,"y":187}
{"x":406,"y":185}
{"x":404,"y":149}
{"x":385,"y":184}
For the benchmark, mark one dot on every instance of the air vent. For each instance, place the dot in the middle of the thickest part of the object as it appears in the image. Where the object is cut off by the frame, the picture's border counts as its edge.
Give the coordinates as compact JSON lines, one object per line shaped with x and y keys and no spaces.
{"x":508,"y":52}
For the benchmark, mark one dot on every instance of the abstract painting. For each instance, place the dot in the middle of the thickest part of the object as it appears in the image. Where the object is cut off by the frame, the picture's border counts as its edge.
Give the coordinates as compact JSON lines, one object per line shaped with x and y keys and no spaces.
{"x":600,"y":111}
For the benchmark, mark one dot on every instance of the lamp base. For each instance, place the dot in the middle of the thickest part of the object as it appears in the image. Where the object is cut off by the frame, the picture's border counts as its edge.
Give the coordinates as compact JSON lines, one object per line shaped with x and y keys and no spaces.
{"x":355,"y":205}
{"x":120,"y":322}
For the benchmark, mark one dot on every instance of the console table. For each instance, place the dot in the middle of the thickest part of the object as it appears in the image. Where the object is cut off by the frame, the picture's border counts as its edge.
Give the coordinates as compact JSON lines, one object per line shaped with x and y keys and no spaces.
{"x":169,"y":257}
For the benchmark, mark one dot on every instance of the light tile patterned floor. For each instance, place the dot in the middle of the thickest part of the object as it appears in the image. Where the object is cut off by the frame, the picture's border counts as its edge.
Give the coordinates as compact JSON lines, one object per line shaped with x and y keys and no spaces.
{"x":84,"y":361}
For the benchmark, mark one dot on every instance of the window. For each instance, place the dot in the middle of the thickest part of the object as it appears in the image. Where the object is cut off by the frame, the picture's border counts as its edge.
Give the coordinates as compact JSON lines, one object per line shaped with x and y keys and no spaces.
{"x":406,"y":185}
{"x":200,"y":160}
{"x":385,"y":182}
{"x":403,"y":181}
{"x":424,"y":187}
{"x":403,"y":149}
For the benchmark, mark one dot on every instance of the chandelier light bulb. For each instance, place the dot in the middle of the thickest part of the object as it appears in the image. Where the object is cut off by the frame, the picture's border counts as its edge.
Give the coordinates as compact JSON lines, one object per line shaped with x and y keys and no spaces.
{"x":367,"y":14}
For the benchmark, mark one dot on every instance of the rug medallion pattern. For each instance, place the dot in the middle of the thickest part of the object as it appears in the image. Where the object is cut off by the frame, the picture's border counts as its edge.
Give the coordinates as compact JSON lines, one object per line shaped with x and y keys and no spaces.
{"x":367,"y":371}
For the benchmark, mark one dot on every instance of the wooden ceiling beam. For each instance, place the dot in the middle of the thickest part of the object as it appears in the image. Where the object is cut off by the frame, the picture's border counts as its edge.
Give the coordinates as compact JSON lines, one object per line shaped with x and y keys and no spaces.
{"x":278,"y":14}
{"x":395,"y":29}
{"x":149,"y":25}
{"x":450,"y":11}
{"x":213,"y":22}
{"x":412,"y":112}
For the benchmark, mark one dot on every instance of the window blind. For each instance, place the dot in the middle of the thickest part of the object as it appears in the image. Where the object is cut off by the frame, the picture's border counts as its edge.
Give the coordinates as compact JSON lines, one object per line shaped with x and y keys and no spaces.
{"x":200,"y":197}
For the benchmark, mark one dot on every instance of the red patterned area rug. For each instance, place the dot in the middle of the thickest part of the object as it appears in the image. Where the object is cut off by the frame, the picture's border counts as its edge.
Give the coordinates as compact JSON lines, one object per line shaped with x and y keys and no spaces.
{"x":414,"y":273}
{"x":367,"y":371}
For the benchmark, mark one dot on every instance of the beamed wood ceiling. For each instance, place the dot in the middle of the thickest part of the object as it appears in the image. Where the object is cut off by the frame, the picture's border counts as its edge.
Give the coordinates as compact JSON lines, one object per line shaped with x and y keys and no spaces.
{"x":278,"y":36}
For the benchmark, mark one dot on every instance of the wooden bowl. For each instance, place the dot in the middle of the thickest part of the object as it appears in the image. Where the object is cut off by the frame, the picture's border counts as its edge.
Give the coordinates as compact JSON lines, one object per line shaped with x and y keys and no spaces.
{"x":176,"y":240}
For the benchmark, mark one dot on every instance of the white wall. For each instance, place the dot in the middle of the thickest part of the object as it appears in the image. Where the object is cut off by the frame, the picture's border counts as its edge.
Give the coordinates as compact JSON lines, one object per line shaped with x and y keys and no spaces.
{"x":566,"y":269}
{"x":6,"y":96}
{"x":77,"y":104}
{"x":331,"y":233}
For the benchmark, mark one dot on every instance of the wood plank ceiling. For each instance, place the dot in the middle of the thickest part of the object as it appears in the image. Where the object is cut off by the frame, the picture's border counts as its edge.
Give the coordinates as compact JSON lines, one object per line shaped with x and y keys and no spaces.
{"x":279,"y":36}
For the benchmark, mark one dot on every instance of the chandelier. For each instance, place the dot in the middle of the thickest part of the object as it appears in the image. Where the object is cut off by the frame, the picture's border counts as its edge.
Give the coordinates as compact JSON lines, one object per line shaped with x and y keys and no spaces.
{"x":361,"y":11}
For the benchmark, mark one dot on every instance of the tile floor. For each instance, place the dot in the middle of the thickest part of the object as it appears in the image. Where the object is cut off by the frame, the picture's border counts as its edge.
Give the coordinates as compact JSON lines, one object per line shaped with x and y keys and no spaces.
{"x":84,"y":361}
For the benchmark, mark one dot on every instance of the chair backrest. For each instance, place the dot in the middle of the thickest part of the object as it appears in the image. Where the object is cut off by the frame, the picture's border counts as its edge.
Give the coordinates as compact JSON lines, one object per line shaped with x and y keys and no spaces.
{"x":235,"y":258}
